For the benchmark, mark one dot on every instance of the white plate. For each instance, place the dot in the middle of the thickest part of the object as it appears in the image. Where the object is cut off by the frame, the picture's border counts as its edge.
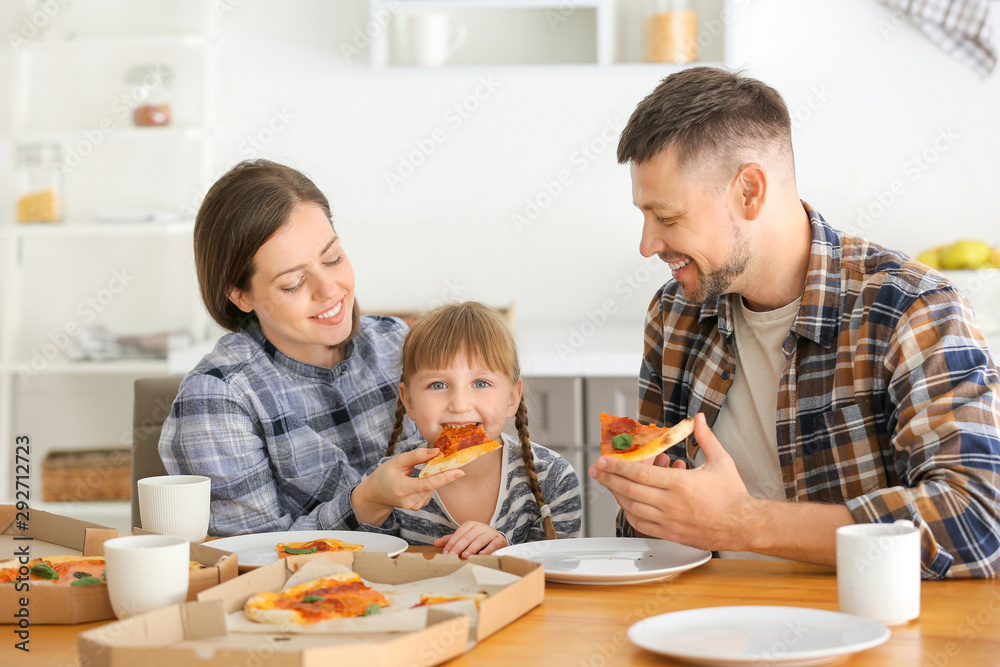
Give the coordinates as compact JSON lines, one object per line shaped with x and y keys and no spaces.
{"x":260,"y":548}
{"x":608,"y":560}
{"x":786,"y":636}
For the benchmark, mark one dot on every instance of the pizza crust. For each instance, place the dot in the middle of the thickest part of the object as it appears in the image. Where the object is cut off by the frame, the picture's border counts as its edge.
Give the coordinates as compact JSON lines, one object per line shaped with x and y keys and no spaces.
{"x":441,"y":463}
{"x":659,"y":445}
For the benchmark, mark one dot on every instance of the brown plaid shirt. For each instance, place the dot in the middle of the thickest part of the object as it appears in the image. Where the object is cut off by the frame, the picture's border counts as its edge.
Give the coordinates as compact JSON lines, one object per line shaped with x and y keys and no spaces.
{"x":889,"y":401}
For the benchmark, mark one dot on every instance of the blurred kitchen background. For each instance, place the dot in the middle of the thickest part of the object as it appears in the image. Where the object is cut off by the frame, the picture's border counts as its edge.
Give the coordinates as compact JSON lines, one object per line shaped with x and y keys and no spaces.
{"x":468,"y":151}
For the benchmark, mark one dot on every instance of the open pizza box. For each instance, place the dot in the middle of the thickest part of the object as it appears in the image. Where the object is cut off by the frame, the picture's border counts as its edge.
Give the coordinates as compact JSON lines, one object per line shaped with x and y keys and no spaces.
{"x":34,"y":533}
{"x":196,"y":633}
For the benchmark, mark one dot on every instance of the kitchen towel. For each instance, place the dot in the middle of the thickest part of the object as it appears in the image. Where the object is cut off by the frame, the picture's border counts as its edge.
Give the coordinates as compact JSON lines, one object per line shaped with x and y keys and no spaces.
{"x":960,"y":27}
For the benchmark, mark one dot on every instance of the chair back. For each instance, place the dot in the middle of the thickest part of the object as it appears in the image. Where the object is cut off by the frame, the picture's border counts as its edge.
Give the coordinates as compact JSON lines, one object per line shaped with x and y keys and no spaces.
{"x":153,"y":398}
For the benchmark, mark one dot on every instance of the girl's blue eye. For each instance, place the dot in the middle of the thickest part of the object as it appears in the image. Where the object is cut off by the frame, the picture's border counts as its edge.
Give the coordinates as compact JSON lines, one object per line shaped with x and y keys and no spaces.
{"x":437,"y":385}
{"x":481,"y":384}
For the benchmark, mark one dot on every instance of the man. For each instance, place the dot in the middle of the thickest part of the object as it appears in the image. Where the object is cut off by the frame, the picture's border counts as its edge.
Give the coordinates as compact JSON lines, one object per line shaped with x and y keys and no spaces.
{"x":844,"y":382}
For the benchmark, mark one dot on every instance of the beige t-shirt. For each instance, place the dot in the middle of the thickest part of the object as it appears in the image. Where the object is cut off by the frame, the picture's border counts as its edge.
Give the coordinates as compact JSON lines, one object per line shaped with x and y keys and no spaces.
{"x":746,"y":423}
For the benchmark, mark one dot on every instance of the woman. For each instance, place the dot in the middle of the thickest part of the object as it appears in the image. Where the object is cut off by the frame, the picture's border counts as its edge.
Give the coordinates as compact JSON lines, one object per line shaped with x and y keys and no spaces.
{"x":287,"y":409}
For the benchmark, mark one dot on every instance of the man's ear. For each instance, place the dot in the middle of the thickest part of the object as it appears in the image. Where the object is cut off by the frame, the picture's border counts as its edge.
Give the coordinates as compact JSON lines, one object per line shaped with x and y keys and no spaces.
{"x":239,"y":298}
{"x":406,"y":399}
{"x":751,"y":189}
{"x":515,"y":398}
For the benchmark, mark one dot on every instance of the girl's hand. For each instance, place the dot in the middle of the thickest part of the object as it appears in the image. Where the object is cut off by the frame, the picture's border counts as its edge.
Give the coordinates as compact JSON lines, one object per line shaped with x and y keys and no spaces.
{"x":390,"y":486}
{"x":472,"y":537}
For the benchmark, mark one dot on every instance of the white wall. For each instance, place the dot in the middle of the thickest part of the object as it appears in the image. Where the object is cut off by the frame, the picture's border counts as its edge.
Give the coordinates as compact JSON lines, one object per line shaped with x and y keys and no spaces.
{"x":866,"y":102}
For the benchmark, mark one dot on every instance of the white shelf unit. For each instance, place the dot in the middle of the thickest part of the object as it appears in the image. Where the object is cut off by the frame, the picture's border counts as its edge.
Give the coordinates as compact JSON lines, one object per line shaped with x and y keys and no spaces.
{"x":69,"y":88}
{"x":533,"y":33}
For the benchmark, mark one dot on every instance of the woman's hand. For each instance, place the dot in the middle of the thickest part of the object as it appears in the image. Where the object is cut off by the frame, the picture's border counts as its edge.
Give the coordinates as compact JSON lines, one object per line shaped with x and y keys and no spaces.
{"x":472,"y":537}
{"x":390,"y":486}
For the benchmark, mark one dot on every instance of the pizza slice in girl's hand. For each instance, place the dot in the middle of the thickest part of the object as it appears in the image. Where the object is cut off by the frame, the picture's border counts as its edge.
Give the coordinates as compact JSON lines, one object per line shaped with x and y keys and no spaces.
{"x":628,"y":439}
{"x":459,"y":445}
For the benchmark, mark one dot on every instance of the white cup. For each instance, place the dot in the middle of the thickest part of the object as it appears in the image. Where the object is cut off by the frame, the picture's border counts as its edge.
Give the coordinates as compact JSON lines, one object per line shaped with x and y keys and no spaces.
{"x":146,"y":572}
{"x":176,"y":505}
{"x":434,"y":38}
{"x":878,"y":571}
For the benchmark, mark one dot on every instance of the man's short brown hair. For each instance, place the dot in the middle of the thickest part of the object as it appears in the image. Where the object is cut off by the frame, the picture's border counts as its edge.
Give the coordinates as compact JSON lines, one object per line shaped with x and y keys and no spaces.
{"x":711,"y":115}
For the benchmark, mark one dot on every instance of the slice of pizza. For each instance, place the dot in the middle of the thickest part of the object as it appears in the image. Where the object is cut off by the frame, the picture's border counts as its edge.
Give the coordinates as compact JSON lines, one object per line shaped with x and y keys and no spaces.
{"x":459,"y":445}
{"x":427,"y":599}
{"x":59,"y":570}
{"x":322,"y":545}
{"x":337,"y":596}
{"x":628,"y":439}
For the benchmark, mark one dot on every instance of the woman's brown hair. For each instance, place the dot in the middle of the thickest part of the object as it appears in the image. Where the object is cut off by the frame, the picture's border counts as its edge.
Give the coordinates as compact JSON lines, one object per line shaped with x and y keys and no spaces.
{"x":483,"y":335}
{"x":244,"y":209}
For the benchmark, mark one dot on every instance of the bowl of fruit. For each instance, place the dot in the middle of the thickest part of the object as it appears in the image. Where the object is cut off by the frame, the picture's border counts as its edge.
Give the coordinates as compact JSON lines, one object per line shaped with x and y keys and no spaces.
{"x":972,"y":267}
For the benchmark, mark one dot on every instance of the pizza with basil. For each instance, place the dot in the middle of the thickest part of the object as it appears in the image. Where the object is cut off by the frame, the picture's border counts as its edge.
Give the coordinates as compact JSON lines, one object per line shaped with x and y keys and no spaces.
{"x":459,"y":445}
{"x":323,"y":545}
{"x":59,"y":571}
{"x":327,"y":598}
{"x":628,"y":439}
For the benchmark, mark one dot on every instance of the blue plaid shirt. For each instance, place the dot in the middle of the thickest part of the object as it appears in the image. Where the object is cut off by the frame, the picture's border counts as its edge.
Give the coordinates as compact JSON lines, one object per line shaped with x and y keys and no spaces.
{"x":280,"y":438}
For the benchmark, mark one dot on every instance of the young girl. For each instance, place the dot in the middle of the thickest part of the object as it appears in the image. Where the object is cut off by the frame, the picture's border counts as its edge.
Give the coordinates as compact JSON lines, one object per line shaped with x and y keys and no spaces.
{"x":460,"y":366}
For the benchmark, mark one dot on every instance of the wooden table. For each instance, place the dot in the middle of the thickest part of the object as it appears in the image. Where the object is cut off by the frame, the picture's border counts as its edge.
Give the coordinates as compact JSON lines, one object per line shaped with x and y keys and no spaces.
{"x":584,"y":626}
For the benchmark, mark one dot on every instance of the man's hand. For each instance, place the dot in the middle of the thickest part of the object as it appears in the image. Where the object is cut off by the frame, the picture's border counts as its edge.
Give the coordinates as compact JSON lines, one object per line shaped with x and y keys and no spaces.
{"x":472,"y":537}
{"x":390,"y":486}
{"x":707,"y":507}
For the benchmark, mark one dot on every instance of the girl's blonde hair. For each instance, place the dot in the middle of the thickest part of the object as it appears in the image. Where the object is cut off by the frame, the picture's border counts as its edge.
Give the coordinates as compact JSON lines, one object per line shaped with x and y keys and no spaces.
{"x":483,"y":335}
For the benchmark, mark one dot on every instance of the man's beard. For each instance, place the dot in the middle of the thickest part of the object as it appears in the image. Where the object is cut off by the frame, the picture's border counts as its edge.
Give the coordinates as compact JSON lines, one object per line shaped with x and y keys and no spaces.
{"x":713,"y":285}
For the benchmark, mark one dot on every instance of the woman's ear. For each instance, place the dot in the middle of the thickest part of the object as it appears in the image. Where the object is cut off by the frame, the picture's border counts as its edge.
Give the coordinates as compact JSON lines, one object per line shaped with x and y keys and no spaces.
{"x":515,"y":398}
{"x":240,"y":299}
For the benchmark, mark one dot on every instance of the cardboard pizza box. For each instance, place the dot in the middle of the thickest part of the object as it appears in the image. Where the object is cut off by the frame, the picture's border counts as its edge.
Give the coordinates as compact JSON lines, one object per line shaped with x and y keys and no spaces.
{"x":33,"y":533}
{"x":195,"y":633}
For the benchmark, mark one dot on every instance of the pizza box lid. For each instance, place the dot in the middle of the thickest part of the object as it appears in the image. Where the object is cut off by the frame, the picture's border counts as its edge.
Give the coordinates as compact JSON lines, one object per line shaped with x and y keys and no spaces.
{"x":198,"y":630}
{"x":33,"y":533}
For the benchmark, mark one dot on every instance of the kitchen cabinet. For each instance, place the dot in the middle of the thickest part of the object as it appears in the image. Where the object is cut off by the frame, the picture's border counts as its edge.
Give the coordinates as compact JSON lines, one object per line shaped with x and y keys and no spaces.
{"x":564,"y":415}
{"x":615,"y":396}
{"x":80,"y":76}
{"x":501,"y":33}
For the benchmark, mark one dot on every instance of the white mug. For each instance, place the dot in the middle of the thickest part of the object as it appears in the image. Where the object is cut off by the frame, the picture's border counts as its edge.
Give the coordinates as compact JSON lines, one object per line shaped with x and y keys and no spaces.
{"x":176,"y":505}
{"x":434,"y":38}
{"x":878,"y":571}
{"x":146,"y":572}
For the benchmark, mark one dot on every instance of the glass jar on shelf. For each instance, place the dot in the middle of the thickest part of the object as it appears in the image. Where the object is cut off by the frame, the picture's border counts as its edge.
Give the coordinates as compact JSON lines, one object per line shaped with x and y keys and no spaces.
{"x":150,"y":91}
{"x":671,"y":31}
{"x":38,"y":182}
